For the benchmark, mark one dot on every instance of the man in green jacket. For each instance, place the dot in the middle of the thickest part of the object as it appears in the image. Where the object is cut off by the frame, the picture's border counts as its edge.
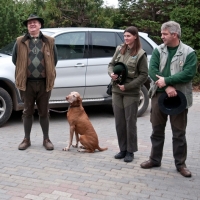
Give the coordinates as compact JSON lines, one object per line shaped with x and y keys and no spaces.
{"x":35,"y":57}
{"x":172,"y":67}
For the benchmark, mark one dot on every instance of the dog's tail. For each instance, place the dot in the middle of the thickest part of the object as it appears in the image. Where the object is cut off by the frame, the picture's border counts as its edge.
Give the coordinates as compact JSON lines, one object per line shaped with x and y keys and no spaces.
{"x":102,"y":149}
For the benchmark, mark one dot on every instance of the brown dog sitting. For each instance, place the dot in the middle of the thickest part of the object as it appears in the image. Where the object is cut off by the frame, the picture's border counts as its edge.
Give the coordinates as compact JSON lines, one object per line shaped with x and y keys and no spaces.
{"x":80,"y":124}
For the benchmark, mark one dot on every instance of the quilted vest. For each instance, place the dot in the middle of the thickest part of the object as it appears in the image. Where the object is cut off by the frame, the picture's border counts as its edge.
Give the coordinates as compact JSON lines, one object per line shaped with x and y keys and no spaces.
{"x":22,"y":62}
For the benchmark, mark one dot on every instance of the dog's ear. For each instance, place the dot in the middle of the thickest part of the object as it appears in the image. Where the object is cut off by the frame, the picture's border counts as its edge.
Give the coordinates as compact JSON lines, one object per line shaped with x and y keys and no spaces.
{"x":78,"y":101}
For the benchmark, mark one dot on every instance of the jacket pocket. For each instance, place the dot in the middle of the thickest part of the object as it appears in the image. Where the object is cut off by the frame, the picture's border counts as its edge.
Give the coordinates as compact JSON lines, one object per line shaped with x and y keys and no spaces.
{"x":131,"y":64}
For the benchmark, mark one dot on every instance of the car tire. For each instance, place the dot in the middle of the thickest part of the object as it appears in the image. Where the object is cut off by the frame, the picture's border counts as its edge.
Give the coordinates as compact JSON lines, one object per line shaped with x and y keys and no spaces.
{"x":144,"y":101}
{"x":6,"y":106}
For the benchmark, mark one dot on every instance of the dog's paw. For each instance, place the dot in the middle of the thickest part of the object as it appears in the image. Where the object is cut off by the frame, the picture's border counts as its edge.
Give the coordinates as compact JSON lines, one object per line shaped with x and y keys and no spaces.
{"x":75,"y":146}
{"x":80,"y":150}
{"x":65,"y":149}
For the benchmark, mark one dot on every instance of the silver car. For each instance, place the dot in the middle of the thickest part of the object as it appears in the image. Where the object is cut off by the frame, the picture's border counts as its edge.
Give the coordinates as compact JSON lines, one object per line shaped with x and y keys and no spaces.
{"x":83,"y":57}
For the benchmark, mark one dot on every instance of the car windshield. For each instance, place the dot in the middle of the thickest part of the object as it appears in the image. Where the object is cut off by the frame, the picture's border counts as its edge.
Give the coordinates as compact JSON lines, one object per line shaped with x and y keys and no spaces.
{"x":8,"y":49}
{"x":47,"y":33}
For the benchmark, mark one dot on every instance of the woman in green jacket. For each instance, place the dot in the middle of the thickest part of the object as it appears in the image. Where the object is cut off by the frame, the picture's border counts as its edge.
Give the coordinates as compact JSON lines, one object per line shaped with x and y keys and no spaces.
{"x":126,"y":90}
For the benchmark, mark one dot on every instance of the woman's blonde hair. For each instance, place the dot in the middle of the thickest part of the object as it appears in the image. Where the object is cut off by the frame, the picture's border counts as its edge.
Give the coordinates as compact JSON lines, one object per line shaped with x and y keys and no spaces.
{"x":137,"y":45}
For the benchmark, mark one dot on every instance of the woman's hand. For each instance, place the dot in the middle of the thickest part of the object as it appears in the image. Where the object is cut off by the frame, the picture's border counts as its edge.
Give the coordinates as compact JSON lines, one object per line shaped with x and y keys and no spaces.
{"x":114,"y":76}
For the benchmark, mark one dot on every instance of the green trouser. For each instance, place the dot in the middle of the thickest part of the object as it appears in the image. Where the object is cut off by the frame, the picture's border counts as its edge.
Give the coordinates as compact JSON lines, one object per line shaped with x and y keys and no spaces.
{"x":36,"y":93}
{"x":125,"y":111}
{"x":178,"y":126}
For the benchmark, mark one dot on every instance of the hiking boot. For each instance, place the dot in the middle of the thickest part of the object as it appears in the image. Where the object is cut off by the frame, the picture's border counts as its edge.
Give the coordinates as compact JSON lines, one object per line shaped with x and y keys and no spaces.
{"x":25,"y":144}
{"x":184,"y":171}
{"x":120,"y":155}
{"x":48,"y":144}
{"x":148,"y":164}
{"x":129,"y":157}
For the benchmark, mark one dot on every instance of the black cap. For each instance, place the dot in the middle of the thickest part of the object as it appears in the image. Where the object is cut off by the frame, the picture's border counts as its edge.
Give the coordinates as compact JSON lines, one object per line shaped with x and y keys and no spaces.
{"x":172,"y":105}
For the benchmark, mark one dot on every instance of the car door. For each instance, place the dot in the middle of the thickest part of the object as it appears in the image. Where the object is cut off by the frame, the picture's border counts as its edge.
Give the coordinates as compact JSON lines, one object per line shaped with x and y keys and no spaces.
{"x":102,"y":48}
{"x":71,"y":66}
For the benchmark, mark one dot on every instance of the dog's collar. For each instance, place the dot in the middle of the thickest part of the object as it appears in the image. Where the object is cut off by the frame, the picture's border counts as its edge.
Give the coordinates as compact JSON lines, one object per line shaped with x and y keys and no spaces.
{"x":73,"y":106}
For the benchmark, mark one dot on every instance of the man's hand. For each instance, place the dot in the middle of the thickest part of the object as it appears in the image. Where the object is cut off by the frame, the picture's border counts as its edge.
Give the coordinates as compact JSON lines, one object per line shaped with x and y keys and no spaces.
{"x":160,"y":82}
{"x":121,"y":87}
{"x":171,"y":91}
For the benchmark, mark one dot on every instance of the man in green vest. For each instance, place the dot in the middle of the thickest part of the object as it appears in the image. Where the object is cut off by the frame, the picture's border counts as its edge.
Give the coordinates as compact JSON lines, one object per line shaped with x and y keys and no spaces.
{"x":35,"y":57}
{"x":172,"y":67}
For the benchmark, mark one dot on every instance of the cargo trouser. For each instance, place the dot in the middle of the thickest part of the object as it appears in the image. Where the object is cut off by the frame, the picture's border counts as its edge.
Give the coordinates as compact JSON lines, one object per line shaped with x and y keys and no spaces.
{"x":36,"y":93}
{"x":125,"y":111}
{"x":178,"y":126}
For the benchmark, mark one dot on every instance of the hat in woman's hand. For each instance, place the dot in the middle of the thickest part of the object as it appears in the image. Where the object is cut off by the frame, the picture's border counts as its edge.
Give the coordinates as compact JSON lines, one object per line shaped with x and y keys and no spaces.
{"x":122,"y":71}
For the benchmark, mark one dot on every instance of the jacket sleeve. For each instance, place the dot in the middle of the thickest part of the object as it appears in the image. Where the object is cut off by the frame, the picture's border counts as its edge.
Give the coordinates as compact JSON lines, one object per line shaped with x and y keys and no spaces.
{"x":14,"y":54}
{"x":142,"y":67}
{"x":154,"y":65}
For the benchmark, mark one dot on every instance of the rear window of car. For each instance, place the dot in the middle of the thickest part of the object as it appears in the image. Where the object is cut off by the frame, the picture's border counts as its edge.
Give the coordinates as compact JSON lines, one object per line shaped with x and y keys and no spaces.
{"x":104,"y":44}
{"x":146,"y":46}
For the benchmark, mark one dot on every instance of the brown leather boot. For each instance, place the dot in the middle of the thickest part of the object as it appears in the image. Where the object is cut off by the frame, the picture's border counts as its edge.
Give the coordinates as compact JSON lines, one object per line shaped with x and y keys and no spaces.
{"x":184,"y":171}
{"x":148,"y":164}
{"x":25,"y":144}
{"x":48,"y":144}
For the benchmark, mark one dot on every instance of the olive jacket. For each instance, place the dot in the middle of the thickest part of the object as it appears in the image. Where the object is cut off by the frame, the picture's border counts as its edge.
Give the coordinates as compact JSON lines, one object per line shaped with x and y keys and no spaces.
{"x":137,"y":71}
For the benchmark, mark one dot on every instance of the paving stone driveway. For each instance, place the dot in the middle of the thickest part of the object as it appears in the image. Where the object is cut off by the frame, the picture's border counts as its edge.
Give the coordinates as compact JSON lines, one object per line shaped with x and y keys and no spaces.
{"x":46,"y":175}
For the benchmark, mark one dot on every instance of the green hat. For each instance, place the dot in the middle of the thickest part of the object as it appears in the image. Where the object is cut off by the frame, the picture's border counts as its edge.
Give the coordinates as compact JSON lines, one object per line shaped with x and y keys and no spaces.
{"x":122,"y":71}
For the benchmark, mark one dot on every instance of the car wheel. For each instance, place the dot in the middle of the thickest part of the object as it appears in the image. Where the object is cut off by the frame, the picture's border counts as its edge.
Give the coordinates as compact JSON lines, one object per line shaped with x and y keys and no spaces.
{"x":144,"y":101}
{"x":6,"y":106}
